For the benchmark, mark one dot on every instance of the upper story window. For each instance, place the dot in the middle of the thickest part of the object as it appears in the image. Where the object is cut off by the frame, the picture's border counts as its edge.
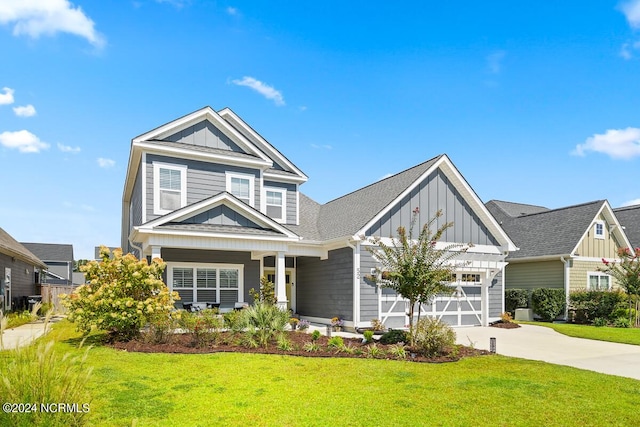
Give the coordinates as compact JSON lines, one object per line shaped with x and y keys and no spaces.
{"x":169,"y":187}
{"x":241,"y":186}
{"x":276,"y":204}
{"x":599,"y":230}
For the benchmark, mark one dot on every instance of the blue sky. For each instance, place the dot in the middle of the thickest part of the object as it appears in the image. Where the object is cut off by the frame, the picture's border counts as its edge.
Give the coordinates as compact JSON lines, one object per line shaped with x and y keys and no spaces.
{"x":535,"y":102}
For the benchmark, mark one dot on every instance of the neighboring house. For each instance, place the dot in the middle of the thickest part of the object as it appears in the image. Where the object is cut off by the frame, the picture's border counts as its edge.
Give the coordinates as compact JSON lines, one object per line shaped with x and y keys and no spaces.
{"x":560,"y":248}
{"x":629,"y":217}
{"x":222,"y":207}
{"x":20,"y":272}
{"x":59,"y":260}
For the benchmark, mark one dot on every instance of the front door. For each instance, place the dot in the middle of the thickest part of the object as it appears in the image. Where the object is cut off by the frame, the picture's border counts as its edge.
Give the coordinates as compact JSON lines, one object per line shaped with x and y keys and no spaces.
{"x":288,"y":280}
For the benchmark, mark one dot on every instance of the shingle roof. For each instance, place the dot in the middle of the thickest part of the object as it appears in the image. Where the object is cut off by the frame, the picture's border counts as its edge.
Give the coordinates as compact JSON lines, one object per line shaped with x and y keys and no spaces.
{"x":346,"y":215}
{"x":214,"y":228}
{"x":629,"y":217}
{"x":309,"y":212}
{"x":202,"y":149}
{"x":11,"y":247}
{"x":51,"y":251}
{"x":547,"y":232}
{"x":510,"y":209}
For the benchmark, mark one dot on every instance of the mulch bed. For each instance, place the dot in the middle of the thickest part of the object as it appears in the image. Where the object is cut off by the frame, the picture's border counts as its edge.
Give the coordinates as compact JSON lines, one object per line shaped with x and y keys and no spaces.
{"x":504,"y":325}
{"x":182,"y":343}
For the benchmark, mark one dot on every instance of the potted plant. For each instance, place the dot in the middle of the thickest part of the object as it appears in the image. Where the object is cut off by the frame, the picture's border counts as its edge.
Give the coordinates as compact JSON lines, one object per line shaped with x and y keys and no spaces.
{"x":303,"y":325}
{"x":337,"y":323}
{"x":293,"y":322}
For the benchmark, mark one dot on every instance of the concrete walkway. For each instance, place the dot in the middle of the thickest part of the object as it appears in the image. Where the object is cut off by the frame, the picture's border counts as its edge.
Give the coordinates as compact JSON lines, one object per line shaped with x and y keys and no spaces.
{"x":545,"y":344}
{"x":25,"y":334}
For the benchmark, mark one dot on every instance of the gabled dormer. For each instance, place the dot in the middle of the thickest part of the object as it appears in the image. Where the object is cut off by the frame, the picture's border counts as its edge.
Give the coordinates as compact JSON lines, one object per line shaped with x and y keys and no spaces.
{"x":201,"y":155}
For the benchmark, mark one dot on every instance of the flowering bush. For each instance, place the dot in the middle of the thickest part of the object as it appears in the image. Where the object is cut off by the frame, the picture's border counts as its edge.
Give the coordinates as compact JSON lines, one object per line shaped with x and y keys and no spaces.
{"x":627,"y":273}
{"x":337,"y":322}
{"x":303,"y":324}
{"x":121,"y":295}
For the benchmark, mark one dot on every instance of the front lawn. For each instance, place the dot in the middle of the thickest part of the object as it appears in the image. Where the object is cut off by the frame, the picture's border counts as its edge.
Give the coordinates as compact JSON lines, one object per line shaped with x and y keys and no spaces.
{"x":266,"y":390}
{"x":604,"y":333}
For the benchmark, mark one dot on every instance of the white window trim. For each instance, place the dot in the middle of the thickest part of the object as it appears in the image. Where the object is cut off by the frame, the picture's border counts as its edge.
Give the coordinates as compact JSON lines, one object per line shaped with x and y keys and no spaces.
{"x":283,"y":192}
{"x":196,"y":265}
{"x":252,"y":183}
{"x":595,"y":230}
{"x":156,"y":185}
{"x":599,"y":274}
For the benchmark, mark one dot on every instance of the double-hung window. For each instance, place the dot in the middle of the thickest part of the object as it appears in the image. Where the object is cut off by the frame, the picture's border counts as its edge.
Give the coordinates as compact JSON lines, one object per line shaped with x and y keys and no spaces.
{"x":276,"y":204}
{"x":598,"y":281}
{"x":216,"y":283}
{"x":169,"y":187}
{"x":241,"y":186}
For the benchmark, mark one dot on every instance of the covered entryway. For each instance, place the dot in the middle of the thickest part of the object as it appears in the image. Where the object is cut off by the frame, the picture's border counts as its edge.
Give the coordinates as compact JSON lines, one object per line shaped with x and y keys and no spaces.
{"x":289,"y":277}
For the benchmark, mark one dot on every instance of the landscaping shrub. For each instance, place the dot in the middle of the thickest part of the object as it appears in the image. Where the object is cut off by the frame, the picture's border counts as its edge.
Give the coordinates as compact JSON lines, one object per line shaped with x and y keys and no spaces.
{"x":434,"y":336}
{"x":204,"y":326}
{"x":394,"y":336}
{"x":336,"y":342}
{"x":368,"y":336}
{"x":120,"y":295}
{"x":315,"y":335}
{"x":548,"y":303}
{"x":264,"y":322}
{"x":516,"y":298}
{"x":35,"y":374}
{"x":622,"y":322}
{"x":161,"y":327}
{"x":599,"y":322}
{"x":585,"y":306}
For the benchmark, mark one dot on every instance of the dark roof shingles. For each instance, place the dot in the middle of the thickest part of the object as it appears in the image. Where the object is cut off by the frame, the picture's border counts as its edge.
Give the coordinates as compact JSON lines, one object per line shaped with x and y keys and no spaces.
{"x":629,"y":218}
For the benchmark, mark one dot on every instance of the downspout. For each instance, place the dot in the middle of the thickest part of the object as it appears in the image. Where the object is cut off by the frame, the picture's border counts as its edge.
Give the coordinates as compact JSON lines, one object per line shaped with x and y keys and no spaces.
{"x":567,"y":277}
{"x":356,"y":282}
{"x":139,"y":248}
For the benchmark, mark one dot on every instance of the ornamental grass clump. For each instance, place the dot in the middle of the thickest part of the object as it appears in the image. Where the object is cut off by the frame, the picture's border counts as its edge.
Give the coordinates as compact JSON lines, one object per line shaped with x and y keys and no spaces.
{"x":264,"y":322}
{"x":434,"y":337}
{"x":120,"y":296}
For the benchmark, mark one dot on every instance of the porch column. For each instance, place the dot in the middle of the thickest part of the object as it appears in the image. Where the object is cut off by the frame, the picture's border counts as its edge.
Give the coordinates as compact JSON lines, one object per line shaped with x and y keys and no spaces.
{"x":484,"y":300}
{"x":280,"y":284}
{"x":156,"y":252}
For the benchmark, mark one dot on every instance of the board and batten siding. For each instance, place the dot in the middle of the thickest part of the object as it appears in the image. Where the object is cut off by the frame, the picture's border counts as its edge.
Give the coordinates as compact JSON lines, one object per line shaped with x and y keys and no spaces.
{"x":136,"y":201}
{"x":251,"y":267}
{"x":598,"y":248}
{"x":531,"y":275}
{"x":205,"y":134}
{"x":496,"y":303}
{"x":325,"y":287}
{"x":204,"y":180}
{"x":368,"y":289}
{"x":435,"y":193}
{"x":578,"y":274}
{"x":292,"y":199}
{"x":221,"y":215}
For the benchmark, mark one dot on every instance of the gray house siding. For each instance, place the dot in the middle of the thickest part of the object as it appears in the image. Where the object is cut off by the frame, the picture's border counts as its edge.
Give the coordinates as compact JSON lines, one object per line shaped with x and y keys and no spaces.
{"x":136,"y":202}
{"x":496,"y":306}
{"x":368,"y":289}
{"x":205,"y":134}
{"x":325,"y":287}
{"x":292,"y":199}
{"x":221,"y":215}
{"x":251,"y":267}
{"x":436,"y":192}
{"x":203,"y":180}
{"x":22,"y":276}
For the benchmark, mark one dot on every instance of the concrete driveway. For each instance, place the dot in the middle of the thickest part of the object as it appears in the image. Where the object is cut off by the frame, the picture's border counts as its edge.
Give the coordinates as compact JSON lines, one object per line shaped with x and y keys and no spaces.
{"x":547,"y":345}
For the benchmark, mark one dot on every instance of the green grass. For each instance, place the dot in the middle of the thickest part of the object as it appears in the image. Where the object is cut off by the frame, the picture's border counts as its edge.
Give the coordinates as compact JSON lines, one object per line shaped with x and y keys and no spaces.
{"x":265,"y":390}
{"x":604,"y":333}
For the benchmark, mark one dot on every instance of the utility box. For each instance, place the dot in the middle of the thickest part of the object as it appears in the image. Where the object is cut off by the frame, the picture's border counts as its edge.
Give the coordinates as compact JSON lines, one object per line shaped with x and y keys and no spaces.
{"x":525,"y":314}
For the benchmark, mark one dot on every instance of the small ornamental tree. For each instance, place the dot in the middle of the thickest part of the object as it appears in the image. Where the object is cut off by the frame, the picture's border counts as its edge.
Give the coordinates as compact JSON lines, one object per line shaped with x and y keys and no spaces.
{"x":416,"y":269}
{"x":627,"y":273}
{"x":120,"y":296}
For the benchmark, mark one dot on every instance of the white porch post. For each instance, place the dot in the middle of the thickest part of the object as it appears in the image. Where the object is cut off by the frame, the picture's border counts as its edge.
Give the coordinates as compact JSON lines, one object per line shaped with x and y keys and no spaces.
{"x":156,"y":252}
{"x":281,"y":291}
{"x":484,"y":296}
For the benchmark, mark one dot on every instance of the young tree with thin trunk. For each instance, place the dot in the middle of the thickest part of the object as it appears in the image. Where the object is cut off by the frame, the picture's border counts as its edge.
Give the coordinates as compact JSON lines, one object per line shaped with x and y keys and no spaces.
{"x":416,"y":269}
{"x":627,"y":273}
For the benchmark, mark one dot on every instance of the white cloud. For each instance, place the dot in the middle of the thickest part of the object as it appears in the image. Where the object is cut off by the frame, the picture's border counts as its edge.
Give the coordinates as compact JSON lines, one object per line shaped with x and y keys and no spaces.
{"x":34,"y":18}
{"x":324,"y":146}
{"x":106,"y":163}
{"x":631,"y":202}
{"x":68,"y":148}
{"x":494,"y":61}
{"x":631,"y":10}
{"x":616,"y":143}
{"x":23,"y":140}
{"x":178,"y":4}
{"x":263,"y":89}
{"x":6,"y":98}
{"x":627,"y":49}
{"x":26,"y":111}
{"x":232,"y":11}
